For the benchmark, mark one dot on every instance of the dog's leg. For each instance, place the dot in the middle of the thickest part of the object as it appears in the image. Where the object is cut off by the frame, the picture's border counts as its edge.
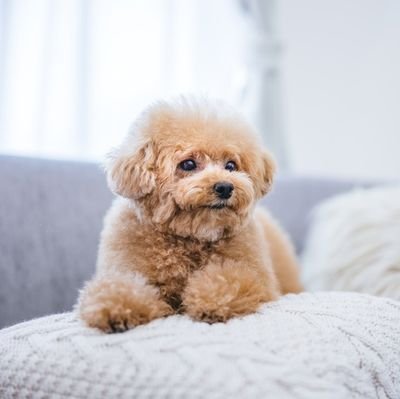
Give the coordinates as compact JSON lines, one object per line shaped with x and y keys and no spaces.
{"x":115,"y":302}
{"x":221,"y":291}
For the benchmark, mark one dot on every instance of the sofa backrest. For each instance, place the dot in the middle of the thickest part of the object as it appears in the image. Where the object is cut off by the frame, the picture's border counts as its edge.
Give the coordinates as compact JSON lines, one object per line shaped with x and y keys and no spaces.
{"x":50,"y":218}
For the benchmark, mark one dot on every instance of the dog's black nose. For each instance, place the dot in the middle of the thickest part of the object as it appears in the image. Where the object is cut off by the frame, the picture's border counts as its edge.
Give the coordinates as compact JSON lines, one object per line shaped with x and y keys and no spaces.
{"x":223,"y":189}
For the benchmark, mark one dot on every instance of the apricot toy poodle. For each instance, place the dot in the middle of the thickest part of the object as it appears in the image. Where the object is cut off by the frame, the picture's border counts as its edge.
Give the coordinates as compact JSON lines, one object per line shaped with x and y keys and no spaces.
{"x":184,"y":234}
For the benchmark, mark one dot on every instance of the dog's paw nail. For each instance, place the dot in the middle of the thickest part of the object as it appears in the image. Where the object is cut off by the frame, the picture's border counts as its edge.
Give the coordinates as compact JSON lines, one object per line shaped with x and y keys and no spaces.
{"x":118,"y":326}
{"x":210,"y":318}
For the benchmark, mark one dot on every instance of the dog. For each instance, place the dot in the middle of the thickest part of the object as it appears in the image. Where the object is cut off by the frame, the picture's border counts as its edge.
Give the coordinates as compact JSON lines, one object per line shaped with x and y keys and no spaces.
{"x":184,"y":234}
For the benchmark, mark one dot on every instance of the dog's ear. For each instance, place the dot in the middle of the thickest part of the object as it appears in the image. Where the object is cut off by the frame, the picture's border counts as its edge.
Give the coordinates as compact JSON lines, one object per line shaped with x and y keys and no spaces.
{"x":265,"y":173}
{"x":131,"y":175}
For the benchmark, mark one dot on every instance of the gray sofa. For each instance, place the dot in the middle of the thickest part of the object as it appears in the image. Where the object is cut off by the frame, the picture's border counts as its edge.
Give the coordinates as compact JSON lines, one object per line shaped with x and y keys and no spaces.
{"x":51,"y":216}
{"x":312,"y":345}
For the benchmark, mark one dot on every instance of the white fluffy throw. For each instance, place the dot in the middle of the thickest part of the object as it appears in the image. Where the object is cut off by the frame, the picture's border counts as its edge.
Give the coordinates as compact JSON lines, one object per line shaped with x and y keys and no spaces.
{"x":354,"y":243}
{"x":325,"y":345}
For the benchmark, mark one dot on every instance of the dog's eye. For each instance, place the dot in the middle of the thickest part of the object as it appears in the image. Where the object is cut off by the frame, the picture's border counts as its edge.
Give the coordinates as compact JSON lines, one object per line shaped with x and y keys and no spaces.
{"x":231,"y":166}
{"x":188,"y":165}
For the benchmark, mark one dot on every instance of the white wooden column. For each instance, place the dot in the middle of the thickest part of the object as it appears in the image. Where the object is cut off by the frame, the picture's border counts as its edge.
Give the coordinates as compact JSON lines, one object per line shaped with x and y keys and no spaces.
{"x":261,"y":99}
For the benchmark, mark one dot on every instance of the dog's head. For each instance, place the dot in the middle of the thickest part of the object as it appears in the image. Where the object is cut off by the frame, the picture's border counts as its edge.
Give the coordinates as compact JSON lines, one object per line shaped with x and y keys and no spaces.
{"x":193,"y":169}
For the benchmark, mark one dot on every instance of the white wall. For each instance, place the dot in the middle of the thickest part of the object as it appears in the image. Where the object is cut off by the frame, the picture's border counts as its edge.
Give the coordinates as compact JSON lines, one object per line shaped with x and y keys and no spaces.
{"x":74,"y":74}
{"x":341,"y":70}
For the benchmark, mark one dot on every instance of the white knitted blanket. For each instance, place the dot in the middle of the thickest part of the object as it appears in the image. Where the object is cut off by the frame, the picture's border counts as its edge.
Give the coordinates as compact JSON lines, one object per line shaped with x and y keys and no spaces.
{"x":324,"y":345}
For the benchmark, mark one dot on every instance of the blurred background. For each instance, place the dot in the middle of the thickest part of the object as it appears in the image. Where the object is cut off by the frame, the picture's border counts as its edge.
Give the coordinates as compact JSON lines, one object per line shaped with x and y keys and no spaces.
{"x":319,"y":79}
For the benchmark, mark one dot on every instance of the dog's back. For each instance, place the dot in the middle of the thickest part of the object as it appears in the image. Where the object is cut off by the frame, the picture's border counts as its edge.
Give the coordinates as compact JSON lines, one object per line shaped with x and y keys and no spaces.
{"x":281,"y":251}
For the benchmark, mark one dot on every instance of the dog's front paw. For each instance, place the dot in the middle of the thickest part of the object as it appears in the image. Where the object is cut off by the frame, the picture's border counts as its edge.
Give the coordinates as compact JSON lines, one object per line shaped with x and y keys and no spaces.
{"x":219,"y":293}
{"x":117,"y":303}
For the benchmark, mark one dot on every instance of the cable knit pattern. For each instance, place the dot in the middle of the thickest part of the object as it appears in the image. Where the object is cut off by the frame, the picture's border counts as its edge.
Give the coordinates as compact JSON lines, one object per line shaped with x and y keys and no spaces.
{"x":323,"y":345}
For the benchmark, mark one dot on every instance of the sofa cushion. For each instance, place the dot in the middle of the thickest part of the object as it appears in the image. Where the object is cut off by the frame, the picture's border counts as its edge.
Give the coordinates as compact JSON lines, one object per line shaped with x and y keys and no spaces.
{"x":325,"y":345}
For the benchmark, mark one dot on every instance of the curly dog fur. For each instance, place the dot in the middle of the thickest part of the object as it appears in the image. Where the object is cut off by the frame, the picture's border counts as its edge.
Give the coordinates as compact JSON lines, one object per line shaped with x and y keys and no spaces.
{"x":170,"y":242}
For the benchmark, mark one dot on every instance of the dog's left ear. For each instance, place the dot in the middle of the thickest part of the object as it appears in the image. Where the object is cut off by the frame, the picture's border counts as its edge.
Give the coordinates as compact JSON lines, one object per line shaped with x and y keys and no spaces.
{"x":265,"y":173}
{"x":131,"y":174}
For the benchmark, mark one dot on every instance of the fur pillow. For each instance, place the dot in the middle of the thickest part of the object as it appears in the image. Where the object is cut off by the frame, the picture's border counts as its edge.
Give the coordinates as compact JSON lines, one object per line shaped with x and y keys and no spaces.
{"x":354,"y":243}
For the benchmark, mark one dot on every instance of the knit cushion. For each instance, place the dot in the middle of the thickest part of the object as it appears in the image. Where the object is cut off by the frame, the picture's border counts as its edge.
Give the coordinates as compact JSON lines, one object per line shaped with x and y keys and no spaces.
{"x":324,"y":345}
{"x":354,"y":243}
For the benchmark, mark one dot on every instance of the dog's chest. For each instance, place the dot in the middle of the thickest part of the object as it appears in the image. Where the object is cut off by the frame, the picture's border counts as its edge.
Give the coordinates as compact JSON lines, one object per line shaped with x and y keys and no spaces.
{"x":180,"y":257}
{"x":174,"y":260}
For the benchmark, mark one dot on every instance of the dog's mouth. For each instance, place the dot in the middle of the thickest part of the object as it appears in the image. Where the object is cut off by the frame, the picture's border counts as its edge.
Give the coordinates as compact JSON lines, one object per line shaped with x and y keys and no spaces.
{"x":219,"y":205}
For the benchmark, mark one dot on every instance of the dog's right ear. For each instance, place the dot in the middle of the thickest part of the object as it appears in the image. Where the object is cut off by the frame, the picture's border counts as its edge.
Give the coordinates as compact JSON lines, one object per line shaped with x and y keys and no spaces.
{"x":131,"y":175}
